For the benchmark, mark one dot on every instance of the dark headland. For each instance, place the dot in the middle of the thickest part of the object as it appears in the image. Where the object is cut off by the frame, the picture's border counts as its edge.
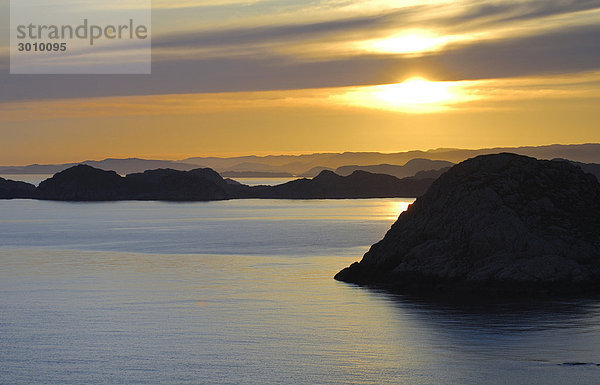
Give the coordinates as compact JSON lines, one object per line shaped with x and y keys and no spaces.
{"x":504,"y":224}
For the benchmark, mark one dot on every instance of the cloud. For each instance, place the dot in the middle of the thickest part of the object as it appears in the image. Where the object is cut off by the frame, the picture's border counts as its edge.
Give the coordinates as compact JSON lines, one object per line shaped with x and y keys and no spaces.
{"x":170,"y":4}
{"x":522,"y":10}
{"x":566,"y":51}
{"x":276,"y":56}
{"x":435,"y":97}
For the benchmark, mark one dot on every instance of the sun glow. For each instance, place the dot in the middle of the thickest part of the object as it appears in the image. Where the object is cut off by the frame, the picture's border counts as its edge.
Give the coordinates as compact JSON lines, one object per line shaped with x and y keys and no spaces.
{"x":415,"y":91}
{"x":408,"y":43}
{"x":415,"y":95}
{"x":394,"y":209}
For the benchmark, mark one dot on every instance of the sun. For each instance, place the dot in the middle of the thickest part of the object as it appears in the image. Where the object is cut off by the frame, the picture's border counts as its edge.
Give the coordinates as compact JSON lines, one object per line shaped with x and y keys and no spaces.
{"x":415,"y":91}
{"x":407,"y":44}
{"x":414,"y":95}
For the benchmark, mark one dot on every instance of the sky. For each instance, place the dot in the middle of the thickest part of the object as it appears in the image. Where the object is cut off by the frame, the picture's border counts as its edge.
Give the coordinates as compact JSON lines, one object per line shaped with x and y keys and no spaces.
{"x":233,"y":77}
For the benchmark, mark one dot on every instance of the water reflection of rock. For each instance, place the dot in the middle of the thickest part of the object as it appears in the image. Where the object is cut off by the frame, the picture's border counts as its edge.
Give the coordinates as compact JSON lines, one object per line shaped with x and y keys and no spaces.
{"x":545,"y":332}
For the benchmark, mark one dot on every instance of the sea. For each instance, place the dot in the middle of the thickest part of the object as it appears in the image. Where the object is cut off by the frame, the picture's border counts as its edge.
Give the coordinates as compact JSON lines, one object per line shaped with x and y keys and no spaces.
{"x":242,"y":292}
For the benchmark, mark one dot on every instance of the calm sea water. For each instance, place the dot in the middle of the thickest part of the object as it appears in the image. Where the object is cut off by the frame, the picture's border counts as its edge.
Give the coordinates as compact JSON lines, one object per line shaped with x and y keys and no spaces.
{"x":264,"y":181}
{"x":241,"y":292}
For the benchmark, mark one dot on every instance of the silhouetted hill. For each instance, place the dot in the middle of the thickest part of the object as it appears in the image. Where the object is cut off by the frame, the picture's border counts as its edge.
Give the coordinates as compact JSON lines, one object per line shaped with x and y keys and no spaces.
{"x":35,"y":168}
{"x":299,"y":164}
{"x":86,"y":183}
{"x":360,"y":184}
{"x":83,"y":183}
{"x":591,"y":168}
{"x":430,"y":174}
{"x":10,"y":189}
{"x":135,"y":165}
{"x":409,"y":169}
{"x":505,"y":223}
{"x":202,"y":184}
{"x":313,"y":172}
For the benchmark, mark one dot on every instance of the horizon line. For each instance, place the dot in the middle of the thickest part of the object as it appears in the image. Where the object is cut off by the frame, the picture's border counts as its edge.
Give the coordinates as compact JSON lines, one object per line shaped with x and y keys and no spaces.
{"x":298,"y":154}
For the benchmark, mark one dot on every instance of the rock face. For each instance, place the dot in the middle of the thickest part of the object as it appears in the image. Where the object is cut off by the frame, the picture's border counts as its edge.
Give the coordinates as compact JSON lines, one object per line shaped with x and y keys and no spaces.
{"x":505,"y":223}
{"x":590,"y":168}
{"x":10,"y":189}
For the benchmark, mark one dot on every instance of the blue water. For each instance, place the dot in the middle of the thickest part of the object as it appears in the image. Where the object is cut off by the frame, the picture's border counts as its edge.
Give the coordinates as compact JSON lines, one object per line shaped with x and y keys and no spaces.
{"x":241,"y":292}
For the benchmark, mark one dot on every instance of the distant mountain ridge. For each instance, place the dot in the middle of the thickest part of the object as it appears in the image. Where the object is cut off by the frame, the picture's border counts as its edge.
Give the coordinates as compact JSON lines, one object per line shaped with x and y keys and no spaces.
{"x":310,"y":165}
{"x":120,"y":166}
{"x":411,"y":168}
{"x":87,"y":183}
{"x":301,"y":164}
{"x":255,"y":174}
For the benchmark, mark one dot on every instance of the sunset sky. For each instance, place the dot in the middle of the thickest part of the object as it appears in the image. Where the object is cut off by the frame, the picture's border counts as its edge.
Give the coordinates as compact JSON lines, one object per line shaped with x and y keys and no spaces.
{"x":233,"y":77}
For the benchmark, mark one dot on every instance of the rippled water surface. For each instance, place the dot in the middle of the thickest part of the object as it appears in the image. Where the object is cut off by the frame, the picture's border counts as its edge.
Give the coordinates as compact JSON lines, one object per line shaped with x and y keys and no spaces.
{"x":241,"y":292}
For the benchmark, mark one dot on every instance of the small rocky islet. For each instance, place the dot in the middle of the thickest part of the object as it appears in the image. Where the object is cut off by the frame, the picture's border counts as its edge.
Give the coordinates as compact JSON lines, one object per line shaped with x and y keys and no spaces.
{"x":502,"y":223}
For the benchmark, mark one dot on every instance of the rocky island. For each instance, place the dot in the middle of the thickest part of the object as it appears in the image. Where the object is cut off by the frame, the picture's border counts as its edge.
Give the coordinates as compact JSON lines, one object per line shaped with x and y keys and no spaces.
{"x":10,"y":189}
{"x":87,"y":183}
{"x":329,"y":185}
{"x":503,"y":223}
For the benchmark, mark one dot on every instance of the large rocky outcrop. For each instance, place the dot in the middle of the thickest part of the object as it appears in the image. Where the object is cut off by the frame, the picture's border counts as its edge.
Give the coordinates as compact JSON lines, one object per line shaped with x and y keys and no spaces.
{"x":503,"y":222}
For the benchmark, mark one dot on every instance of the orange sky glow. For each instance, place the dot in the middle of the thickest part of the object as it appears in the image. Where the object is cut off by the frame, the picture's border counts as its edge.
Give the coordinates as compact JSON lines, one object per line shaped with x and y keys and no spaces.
{"x":288,"y":78}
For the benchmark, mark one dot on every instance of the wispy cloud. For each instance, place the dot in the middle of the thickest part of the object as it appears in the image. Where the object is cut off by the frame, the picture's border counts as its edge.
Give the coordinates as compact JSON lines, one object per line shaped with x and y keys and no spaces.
{"x":446,"y":97}
{"x":170,"y":4}
{"x":474,"y":40}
